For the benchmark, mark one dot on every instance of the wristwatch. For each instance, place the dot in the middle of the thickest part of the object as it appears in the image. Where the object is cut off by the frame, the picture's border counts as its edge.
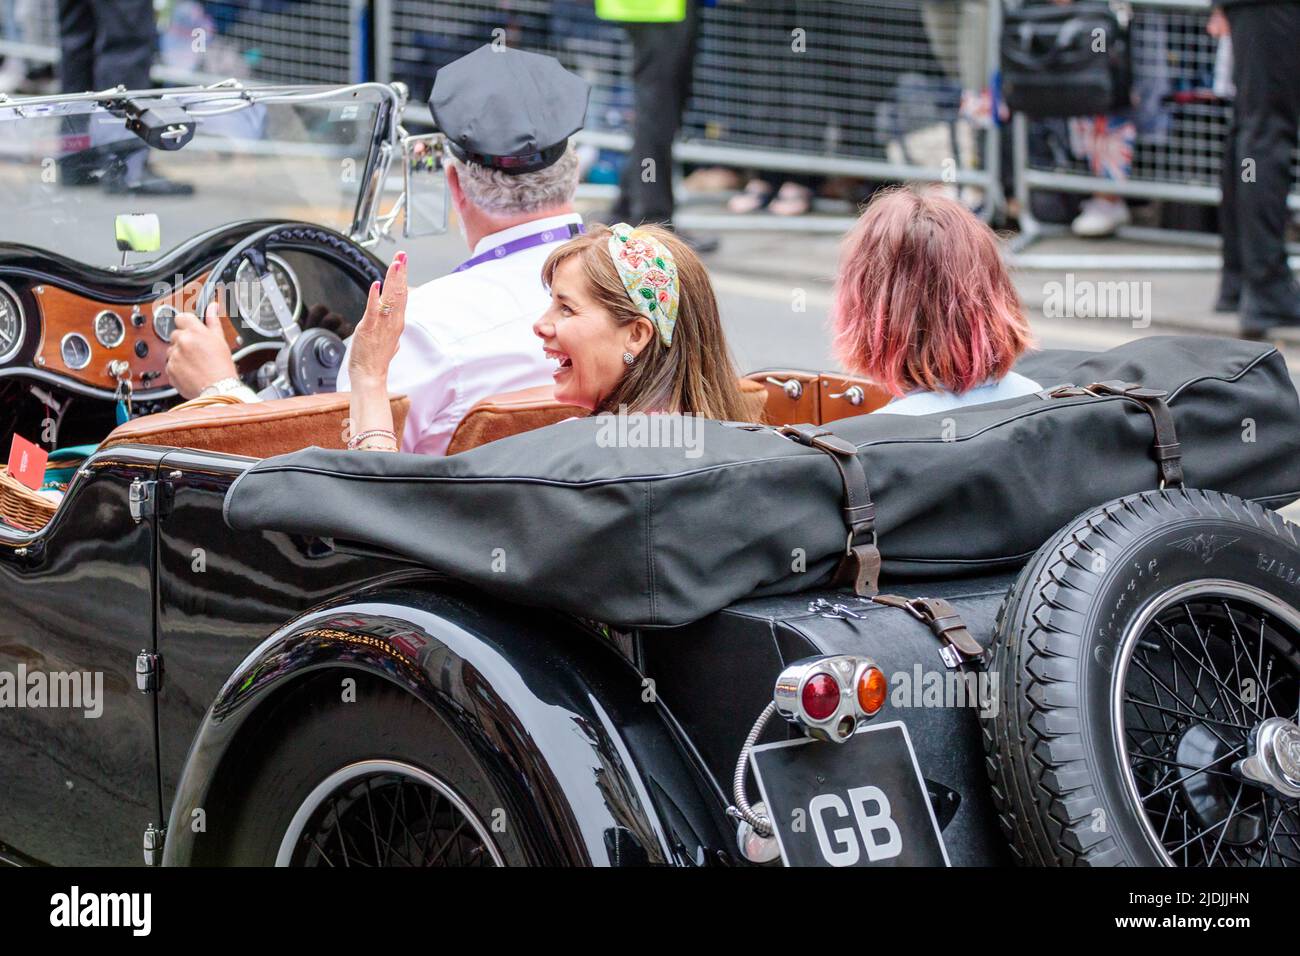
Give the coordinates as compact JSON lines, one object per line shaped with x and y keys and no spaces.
{"x":230,"y":386}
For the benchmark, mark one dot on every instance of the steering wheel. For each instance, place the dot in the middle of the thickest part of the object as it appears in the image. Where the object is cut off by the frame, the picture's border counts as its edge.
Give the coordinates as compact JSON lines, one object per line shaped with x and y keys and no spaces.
{"x":310,"y":360}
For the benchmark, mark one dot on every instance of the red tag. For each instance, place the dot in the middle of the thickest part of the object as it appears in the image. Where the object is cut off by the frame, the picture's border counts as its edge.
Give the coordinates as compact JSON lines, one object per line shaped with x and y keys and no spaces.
{"x":27,"y":462}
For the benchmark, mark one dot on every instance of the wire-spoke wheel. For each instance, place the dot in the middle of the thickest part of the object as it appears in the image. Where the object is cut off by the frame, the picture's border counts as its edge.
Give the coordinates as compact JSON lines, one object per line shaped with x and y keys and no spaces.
{"x":1204,"y":670}
{"x":1148,"y":665}
{"x":379,"y":780}
{"x":385,"y":813}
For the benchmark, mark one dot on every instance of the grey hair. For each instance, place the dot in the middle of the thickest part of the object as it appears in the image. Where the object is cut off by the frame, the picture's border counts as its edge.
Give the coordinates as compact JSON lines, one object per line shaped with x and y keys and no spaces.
{"x":502,"y":194}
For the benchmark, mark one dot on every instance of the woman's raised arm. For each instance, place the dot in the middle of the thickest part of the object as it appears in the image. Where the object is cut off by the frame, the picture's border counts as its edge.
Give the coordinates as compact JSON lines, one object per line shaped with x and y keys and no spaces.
{"x":374,"y":343}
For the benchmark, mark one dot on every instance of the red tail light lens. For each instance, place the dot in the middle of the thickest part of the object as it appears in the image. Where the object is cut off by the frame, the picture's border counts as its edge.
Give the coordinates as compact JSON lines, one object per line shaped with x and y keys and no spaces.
{"x":821,"y":696}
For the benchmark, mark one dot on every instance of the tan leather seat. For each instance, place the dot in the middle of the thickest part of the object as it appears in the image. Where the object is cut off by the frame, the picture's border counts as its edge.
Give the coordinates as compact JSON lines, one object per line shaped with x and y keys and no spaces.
{"x":816,"y":398}
{"x":255,"y":429}
{"x":511,"y":413}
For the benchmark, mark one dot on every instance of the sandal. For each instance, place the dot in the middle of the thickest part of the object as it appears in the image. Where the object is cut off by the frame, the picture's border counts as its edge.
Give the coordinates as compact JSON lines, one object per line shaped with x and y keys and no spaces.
{"x":756,"y":195}
{"x":791,"y":200}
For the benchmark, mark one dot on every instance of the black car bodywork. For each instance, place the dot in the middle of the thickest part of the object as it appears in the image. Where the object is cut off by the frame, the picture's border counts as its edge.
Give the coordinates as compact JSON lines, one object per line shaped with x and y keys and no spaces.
{"x":556,"y":708}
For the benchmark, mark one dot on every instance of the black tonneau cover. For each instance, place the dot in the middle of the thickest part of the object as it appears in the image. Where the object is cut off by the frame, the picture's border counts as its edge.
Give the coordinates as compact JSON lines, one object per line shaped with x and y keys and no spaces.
{"x":654,"y":536}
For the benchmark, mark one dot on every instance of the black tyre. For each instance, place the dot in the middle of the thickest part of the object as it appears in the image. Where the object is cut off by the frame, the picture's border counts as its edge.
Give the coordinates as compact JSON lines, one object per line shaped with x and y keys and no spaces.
{"x":381,"y":781}
{"x":1149,"y":667}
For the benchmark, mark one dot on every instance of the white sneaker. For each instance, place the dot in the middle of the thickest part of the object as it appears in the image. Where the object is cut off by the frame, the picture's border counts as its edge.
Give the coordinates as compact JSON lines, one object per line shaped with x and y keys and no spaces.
{"x":1100,"y":217}
{"x":12,"y":74}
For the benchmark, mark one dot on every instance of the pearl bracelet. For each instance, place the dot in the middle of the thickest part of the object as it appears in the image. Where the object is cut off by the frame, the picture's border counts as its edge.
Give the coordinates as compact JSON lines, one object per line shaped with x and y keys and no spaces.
{"x":356,"y":440}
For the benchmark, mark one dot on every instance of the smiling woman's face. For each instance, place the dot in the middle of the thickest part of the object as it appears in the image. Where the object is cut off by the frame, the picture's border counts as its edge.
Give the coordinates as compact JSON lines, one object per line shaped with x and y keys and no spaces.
{"x":583,"y":338}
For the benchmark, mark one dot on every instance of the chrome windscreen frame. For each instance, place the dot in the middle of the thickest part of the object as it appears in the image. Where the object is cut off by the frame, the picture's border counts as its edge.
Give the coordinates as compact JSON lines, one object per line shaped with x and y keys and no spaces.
{"x":367,"y":226}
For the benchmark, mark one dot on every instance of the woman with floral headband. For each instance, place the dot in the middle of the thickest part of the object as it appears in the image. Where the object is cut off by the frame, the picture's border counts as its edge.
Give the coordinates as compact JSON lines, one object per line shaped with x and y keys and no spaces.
{"x":633,"y":325}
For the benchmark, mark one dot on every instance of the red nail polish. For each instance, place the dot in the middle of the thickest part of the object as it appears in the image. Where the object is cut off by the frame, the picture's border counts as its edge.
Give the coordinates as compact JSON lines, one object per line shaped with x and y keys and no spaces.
{"x":401,"y":258}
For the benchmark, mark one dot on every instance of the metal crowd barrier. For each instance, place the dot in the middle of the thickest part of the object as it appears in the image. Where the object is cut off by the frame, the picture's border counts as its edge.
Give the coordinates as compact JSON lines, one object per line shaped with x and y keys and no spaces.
{"x":265,"y":41}
{"x":1177,"y":154}
{"x":811,"y":87}
{"x":802,"y":87}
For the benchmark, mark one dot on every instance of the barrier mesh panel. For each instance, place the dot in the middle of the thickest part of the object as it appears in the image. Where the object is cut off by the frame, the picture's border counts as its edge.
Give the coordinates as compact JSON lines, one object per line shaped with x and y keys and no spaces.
{"x":833,"y":77}
{"x":278,"y":41}
{"x":1181,"y":126}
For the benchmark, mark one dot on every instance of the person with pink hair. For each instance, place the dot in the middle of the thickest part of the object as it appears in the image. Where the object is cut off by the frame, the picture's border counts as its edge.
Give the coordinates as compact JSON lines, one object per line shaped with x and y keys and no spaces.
{"x":924,"y":306}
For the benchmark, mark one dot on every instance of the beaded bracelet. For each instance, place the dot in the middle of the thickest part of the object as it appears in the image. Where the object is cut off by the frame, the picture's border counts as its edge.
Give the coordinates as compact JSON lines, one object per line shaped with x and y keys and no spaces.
{"x":357,"y":439}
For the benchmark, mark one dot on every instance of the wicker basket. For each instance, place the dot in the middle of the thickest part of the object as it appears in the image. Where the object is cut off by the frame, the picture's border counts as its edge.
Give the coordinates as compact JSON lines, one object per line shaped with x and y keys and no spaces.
{"x":22,"y":507}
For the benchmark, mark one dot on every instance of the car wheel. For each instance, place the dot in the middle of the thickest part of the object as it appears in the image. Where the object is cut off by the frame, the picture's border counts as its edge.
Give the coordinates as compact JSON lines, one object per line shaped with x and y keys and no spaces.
{"x":381,"y":781}
{"x":1148,"y":660}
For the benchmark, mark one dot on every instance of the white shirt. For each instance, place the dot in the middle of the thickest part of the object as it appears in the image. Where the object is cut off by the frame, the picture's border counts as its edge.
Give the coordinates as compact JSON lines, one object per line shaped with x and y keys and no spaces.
{"x":469,"y":335}
{"x":920,"y":402}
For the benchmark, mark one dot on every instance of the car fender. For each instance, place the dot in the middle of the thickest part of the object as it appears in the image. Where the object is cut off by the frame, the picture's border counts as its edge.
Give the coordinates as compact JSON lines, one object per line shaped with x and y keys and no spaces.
{"x":592,"y":770}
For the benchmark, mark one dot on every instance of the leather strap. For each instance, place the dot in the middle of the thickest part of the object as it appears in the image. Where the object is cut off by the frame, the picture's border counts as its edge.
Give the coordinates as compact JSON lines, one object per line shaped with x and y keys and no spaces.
{"x":1166,"y":449}
{"x":959,"y":646}
{"x":859,"y":568}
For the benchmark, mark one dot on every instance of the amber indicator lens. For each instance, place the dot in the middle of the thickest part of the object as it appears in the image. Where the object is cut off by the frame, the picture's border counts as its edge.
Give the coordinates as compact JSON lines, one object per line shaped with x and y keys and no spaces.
{"x":871,"y":690}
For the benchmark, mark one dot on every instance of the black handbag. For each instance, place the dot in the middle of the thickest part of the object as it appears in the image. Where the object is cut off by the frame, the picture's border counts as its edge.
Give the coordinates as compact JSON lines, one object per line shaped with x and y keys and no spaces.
{"x":1072,"y":60}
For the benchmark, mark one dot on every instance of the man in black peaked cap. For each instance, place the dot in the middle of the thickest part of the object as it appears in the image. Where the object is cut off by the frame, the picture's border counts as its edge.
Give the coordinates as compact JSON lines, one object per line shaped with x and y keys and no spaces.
{"x":507,"y":116}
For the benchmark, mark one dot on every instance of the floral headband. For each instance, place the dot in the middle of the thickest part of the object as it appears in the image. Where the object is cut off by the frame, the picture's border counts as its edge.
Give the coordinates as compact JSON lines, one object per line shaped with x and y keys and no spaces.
{"x":649,"y":275}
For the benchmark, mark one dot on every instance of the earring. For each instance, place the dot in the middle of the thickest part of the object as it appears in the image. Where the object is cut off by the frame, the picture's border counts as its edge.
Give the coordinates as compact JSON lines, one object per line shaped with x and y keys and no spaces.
{"x":628,"y":358}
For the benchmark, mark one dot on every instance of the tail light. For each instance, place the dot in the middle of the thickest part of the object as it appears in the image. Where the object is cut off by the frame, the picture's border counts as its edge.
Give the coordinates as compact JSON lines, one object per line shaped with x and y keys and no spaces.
{"x":830,"y":696}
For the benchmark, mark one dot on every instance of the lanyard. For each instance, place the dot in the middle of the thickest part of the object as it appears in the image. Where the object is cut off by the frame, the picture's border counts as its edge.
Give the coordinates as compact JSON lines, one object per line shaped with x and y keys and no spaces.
{"x":567,"y":231}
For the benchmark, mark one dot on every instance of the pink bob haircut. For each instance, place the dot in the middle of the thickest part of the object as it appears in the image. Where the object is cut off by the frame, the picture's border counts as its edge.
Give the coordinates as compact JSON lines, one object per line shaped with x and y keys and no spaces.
{"x":923,"y":300}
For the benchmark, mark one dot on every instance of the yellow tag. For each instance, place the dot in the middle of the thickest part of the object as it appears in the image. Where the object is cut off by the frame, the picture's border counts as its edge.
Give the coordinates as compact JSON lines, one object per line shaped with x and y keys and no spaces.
{"x":641,"y":11}
{"x":138,"y":232}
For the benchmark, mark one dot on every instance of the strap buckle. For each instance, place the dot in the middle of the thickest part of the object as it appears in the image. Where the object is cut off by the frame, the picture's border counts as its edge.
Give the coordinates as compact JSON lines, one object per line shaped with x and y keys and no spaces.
{"x":957,"y":645}
{"x":1166,"y":449}
{"x":812,"y":436}
{"x":859,"y":566}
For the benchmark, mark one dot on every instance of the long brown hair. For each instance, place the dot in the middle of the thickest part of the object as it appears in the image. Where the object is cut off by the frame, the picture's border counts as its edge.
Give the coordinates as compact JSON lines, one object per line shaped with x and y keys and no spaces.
{"x":693,"y":376}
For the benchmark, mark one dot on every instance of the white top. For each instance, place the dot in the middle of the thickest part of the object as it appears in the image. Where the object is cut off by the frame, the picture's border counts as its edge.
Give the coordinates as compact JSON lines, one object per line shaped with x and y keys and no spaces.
{"x":1011,"y":385}
{"x":469,"y":335}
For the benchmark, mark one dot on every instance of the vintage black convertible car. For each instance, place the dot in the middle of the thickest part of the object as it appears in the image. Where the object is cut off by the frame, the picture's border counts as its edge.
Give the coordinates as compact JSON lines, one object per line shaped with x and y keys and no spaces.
{"x":1127,"y":693}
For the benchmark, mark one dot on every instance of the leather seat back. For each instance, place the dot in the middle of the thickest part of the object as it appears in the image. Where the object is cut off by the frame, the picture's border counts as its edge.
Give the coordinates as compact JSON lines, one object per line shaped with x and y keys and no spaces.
{"x":510,"y":413}
{"x":255,"y":429}
{"x":797,"y":397}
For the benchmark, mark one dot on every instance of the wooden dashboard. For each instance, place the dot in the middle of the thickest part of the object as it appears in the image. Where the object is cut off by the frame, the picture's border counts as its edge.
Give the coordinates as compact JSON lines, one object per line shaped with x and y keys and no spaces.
{"x":64,"y":313}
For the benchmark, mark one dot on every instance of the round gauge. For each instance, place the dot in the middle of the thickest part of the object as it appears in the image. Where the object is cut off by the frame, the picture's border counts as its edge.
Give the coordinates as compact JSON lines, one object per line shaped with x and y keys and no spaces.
{"x":12,"y":324}
{"x":110,"y":330}
{"x":255,"y":306}
{"x":75,"y":351}
{"x":164,"y":322}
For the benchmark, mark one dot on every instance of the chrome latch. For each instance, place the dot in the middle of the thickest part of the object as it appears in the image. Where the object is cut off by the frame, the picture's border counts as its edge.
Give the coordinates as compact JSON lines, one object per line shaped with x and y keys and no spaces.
{"x":148,"y":672}
{"x":792,"y":387}
{"x":140,"y":499}
{"x":854,"y":395}
{"x":148,"y":499}
{"x":155,"y":837}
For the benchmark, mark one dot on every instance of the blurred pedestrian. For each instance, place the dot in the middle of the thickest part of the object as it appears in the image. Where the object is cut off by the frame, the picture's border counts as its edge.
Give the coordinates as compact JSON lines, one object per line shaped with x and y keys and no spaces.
{"x":103,"y":44}
{"x":664,"y":35}
{"x":1256,"y":175}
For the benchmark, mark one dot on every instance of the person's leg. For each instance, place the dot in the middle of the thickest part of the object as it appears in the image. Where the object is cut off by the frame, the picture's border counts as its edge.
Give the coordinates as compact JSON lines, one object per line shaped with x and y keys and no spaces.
{"x":125,"y":40}
{"x":76,"y":45}
{"x":662,"y":54}
{"x":1229,"y":226}
{"x":1266,"y":112}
